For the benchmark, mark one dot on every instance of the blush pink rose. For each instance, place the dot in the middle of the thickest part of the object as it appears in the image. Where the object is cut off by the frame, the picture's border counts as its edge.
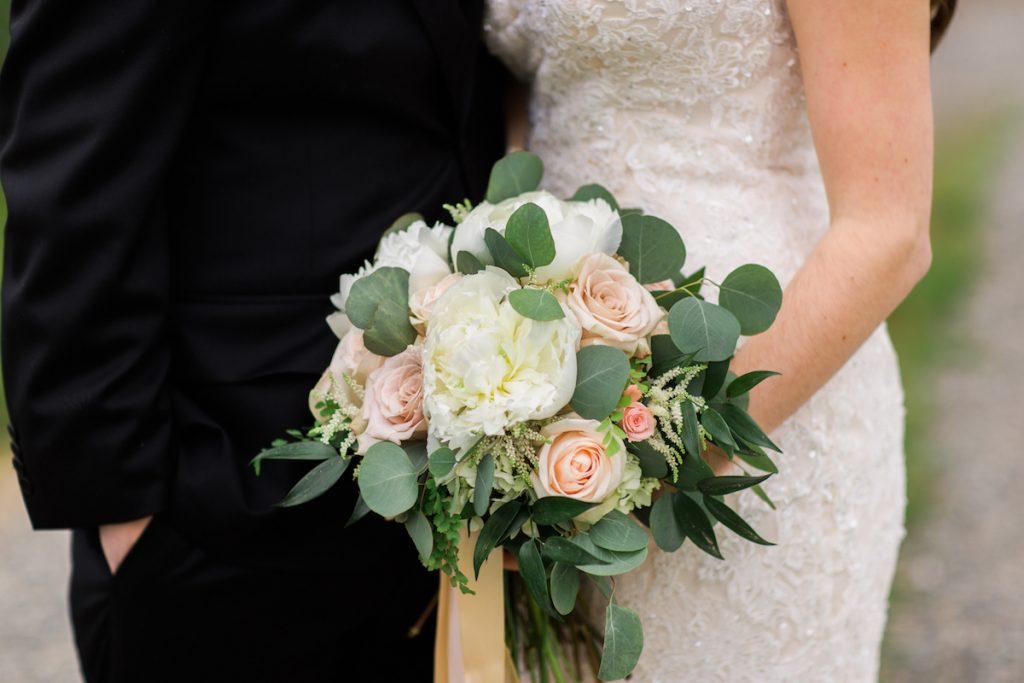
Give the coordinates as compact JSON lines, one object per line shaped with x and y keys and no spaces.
{"x":637,"y":422}
{"x":393,"y":405}
{"x":611,"y":306}
{"x":634,"y":393}
{"x":351,"y":358}
{"x":575,"y":464}
{"x":422,"y":301}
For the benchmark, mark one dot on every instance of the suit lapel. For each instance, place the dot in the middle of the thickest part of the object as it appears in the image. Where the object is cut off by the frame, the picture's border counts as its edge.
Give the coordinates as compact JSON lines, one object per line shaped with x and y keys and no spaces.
{"x":455,"y":43}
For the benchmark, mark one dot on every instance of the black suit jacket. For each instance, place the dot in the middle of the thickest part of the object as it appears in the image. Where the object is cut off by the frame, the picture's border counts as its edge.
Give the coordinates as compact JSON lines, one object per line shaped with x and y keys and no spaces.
{"x":186,"y":181}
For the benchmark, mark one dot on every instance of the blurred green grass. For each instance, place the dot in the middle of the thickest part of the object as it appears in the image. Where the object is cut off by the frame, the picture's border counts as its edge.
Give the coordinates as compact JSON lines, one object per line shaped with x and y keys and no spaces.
{"x":967,"y":157}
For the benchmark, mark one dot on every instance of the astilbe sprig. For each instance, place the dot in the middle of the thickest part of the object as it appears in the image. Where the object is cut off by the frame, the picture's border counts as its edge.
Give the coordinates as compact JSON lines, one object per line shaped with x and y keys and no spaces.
{"x":666,"y":395}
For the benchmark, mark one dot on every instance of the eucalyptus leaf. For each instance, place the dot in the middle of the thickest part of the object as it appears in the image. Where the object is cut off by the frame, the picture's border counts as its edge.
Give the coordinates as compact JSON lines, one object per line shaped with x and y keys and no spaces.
{"x":467,"y":264}
{"x":531,"y":568}
{"x":743,"y":426}
{"x":565,"y":586}
{"x":360,"y":510}
{"x":652,"y":248}
{"x":378,"y":304}
{"x":513,"y":175}
{"x":441,"y":462}
{"x":551,"y":510}
{"x":387,"y":479}
{"x":694,"y":524}
{"x":299,"y":450}
{"x":493,"y":530}
{"x":667,"y":534}
{"x":729,"y":518}
{"x":748,"y":381}
{"x":620,"y":563}
{"x":623,"y":643}
{"x":730,"y":483}
{"x":528,"y":232}
{"x":536,"y":304}
{"x":594,"y":191}
{"x":421,"y":533}
{"x":316,"y":482}
{"x":692,"y":282}
{"x":484,"y":485}
{"x":601,"y":376}
{"x":561,"y":549}
{"x":417,"y":452}
{"x":708,"y":331}
{"x":616,"y":531}
{"x":753,"y":294}
{"x":503,"y":254}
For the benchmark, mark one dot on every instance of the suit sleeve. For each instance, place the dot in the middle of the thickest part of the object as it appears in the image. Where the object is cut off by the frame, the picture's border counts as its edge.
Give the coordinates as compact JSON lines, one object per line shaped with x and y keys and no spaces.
{"x":94,"y":99}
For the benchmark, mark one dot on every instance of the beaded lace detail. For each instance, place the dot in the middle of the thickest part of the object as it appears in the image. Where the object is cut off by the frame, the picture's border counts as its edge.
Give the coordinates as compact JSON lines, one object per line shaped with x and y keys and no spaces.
{"x":694,"y":110}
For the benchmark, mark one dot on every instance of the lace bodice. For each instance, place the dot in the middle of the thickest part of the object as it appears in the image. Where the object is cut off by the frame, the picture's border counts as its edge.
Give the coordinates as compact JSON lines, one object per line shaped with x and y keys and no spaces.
{"x":694,"y":111}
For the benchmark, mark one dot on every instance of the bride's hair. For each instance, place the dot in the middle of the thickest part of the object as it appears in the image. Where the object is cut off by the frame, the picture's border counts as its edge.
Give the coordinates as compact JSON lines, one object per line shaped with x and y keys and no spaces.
{"x":942,"y":12}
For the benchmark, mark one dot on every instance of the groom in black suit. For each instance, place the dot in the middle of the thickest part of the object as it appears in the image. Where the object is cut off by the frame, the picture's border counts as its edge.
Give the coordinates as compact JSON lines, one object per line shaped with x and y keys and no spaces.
{"x":186,"y":180}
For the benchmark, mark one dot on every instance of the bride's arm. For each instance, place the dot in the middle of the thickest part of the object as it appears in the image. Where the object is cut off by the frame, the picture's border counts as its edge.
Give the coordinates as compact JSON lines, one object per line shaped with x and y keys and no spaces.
{"x":866,"y":75}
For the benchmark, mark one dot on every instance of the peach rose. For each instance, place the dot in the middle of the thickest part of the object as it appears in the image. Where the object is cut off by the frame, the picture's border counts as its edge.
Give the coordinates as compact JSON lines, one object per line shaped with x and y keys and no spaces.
{"x":351,"y":358}
{"x":637,"y":422}
{"x":613,"y":308}
{"x":422,"y":301}
{"x":575,"y":464}
{"x":393,"y":405}
{"x":634,"y":393}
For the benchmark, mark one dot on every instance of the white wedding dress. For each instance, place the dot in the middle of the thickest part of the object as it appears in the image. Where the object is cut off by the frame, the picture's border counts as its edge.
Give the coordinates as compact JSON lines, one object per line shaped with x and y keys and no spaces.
{"x":693,"y":110}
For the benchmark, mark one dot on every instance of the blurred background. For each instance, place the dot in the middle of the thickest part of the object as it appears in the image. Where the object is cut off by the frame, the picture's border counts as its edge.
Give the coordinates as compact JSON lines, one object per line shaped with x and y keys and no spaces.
{"x":957,"y":611}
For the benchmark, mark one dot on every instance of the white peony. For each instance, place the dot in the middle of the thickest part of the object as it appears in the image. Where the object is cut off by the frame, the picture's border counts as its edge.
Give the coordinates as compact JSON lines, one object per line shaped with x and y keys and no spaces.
{"x":578,"y":229}
{"x":487,"y":367}
{"x":418,"y":245}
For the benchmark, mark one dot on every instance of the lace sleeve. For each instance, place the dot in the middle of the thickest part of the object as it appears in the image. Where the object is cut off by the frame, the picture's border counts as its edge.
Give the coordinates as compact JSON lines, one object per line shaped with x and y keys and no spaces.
{"x":507,"y":35}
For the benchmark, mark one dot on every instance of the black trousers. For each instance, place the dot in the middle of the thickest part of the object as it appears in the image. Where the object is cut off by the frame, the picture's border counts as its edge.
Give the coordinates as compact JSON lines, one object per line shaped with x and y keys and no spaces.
{"x":175,"y":613}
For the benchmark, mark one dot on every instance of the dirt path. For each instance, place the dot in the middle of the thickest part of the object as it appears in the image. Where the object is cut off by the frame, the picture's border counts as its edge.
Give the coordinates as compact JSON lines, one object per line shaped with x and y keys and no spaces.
{"x":961,"y":613}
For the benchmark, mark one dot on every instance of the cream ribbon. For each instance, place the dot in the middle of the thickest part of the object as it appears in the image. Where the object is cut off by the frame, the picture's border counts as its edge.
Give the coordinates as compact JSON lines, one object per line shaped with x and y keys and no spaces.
{"x":470,"y":642}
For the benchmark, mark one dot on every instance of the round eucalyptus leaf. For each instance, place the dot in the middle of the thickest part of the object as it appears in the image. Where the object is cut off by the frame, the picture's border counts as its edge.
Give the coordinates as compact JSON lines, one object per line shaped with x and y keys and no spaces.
{"x":623,"y":643}
{"x":616,"y":531}
{"x":594,"y":191}
{"x":513,"y":175}
{"x":387,"y":480}
{"x":652,"y":247}
{"x":753,"y":294}
{"x":565,"y":585}
{"x":536,"y":304}
{"x":601,"y":376}
{"x":708,"y":331}
{"x":421,"y":533}
{"x":528,"y":232}
{"x":667,"y":534}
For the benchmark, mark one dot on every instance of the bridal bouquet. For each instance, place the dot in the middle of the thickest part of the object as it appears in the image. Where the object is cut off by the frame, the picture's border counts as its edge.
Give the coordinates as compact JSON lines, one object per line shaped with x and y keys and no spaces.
{"x":527,"y":380}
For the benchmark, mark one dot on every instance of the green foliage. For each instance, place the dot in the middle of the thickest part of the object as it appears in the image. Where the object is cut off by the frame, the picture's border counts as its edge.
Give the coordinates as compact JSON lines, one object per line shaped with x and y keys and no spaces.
{"x":551,"y":510}
{"x":565,"y":586}
{"x":594,"y":191}
{"x":504,"y":255}
{"x":623,"y":643}
{"x":716,"y":426}
{"x":748,"y":381}
{"x":484,"y":484}
{"x":513,"y":175}
{"x":528,"y":232}
{"x":299,"y":450}
{"x":668,"y":535}
{"x":706,"y":330}
{"x":401,"y":223}
{"x":467,"y":264}
{"x":421,"y":533}
{"x":378,"y":304}
{"x":535,"y":576}
{"x":387,"y":479}
{"x":752,"y":293}
{"x":723,"y":486}
{"x":316,"y":482}
{"x":616,"y":531}
{"x":536,"y":304}
{"x":601,"y":376}
{"x":652,"y":247}
{"x":694,"y":524}
{"x":441,"y":462}
{"x":730,"y":519}
{"x":743,"y":426}
{"x":494,"y":529}
{"x":447,"y":527}
{"x":652,"y":463}
{"x":564,"y":550}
